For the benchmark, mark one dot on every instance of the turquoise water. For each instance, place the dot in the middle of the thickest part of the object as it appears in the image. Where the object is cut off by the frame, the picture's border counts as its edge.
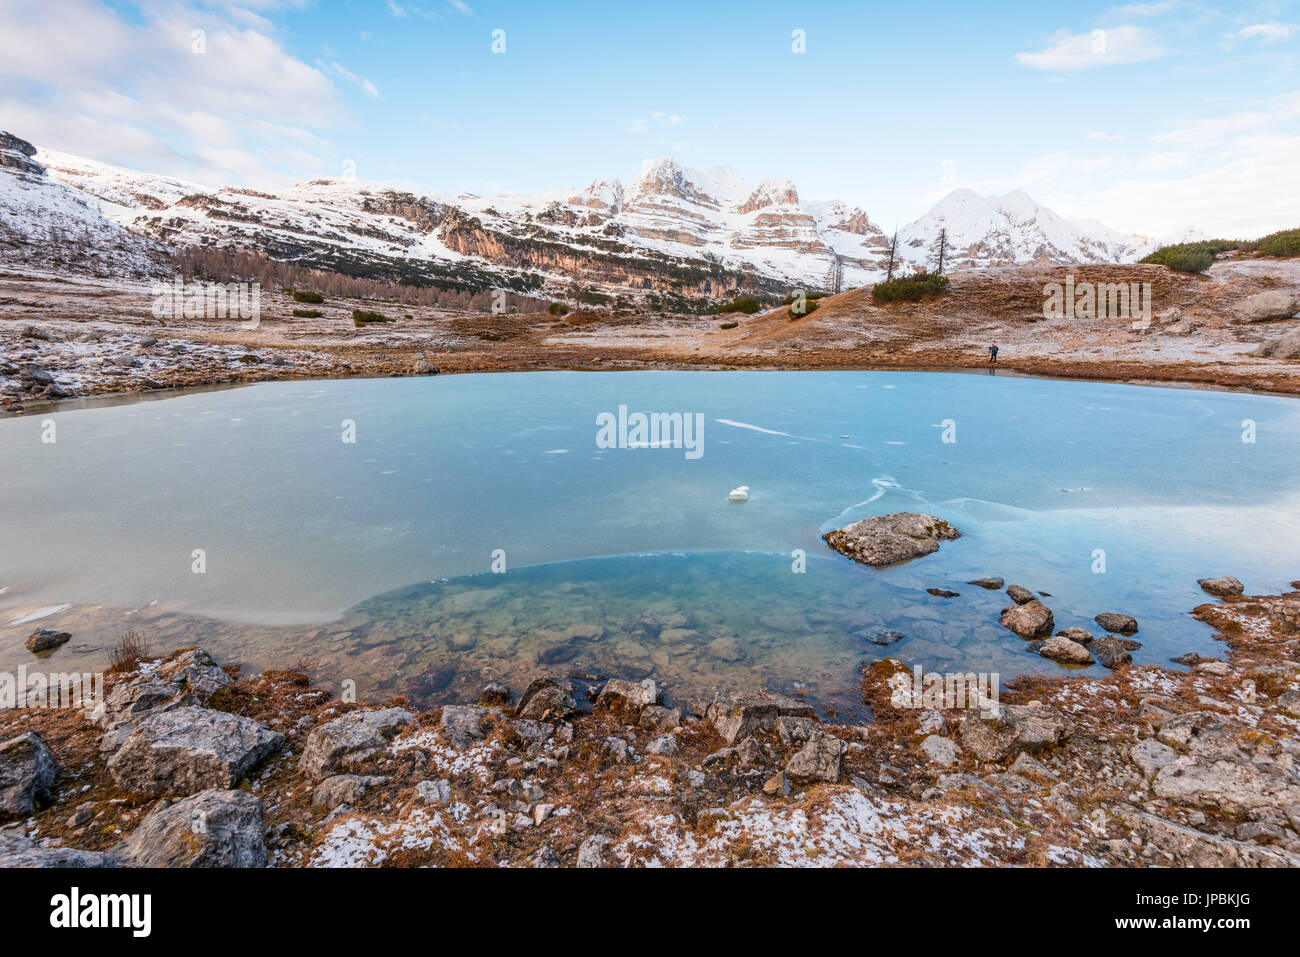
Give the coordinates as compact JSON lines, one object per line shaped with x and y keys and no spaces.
{"x":298,"y":527}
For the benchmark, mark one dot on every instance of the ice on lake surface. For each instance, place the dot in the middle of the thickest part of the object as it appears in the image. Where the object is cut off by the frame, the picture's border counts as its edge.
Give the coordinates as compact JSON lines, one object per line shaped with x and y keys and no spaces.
{"x":375,"y":557}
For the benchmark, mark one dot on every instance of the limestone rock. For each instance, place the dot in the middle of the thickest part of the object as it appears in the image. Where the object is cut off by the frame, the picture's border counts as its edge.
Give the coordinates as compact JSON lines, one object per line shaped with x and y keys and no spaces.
{"x":462,"y":724}
{"x":940,"y":751}
{"x":214,"y":828}
{"x":1015,"y":728}
{"x":190,"y":749}
{"x":818,"y":760}
{"x":344,"y":789}
{"x":735,"y":715}
{"x":1019,"y":594}
{"x":546,"y":699}
{"x":1268,"y":306}
{"x":351,"y":738}
{"x":27,"y":773}
{"x":628,"y":695}
{"x":16,"y":850}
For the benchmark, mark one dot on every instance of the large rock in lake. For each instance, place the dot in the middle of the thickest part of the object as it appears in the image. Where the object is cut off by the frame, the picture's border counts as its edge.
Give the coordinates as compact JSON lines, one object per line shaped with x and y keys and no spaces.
{"x":190,"y":749}
{"x":214,"y":828}
{"x":27,"y":772}
{"x":890,"y":539}
{"x":1033,"y":619}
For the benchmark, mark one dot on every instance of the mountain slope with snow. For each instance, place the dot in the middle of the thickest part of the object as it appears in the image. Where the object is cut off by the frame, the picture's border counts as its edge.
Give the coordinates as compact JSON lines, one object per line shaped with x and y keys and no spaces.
{"x":668,"y":237}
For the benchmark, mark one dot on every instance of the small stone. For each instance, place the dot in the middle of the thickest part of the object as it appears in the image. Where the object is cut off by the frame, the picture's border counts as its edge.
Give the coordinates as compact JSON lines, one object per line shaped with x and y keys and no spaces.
{"x":992,"y":584}
{"x":541,"y":812}
{"x":940,"y":751}
{"x":494,"y":693}
{"x":665,"y":745}
{"x":1030,"y":766}
{"x":819,"y":760}
{"x":777,"y":785}
{"x":1019,"y":594}
{"x":658,"y":718}
{"x":943,"y":593}
{"x":591,"y":853}
{"x":434,"y":792}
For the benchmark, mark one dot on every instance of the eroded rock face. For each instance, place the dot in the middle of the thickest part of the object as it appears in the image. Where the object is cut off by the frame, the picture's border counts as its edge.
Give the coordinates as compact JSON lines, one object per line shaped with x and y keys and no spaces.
{"x":737,"y":715}
{"x":889,"y":539}
{"x":1014,"y":729}
{"x":190,"y":749}
{"x":1033,"y":619}
{"x":350,"y":738}
{"x":214,"y":828}
{"x":1188,"y":847}
{"x":27,"y":773}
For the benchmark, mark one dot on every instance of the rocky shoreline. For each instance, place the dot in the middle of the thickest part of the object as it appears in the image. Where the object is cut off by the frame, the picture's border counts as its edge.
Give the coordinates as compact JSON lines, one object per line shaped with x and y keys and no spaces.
{"x":192,"y":764}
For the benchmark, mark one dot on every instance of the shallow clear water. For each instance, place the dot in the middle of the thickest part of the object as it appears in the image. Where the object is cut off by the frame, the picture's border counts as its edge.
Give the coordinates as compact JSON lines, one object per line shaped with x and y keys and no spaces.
{"x":300,"y":528}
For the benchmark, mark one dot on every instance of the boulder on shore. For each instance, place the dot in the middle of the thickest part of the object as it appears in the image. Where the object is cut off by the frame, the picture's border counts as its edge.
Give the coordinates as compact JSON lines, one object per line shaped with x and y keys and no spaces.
{"x":1285,"y":346}
{"x":214,"y":828}
{"x":27,"y":773}
{"x":889,"y":539}
{"x":1268,"y":306}
{"x":350,"y":738}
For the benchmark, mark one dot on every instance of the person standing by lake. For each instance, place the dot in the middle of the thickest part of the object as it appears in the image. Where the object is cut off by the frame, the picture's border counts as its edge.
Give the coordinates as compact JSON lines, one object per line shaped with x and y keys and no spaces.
{"x":993,"y":355}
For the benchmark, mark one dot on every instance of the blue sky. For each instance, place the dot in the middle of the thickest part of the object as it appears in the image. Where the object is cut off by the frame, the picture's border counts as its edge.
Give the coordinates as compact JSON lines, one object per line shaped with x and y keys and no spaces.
{"x":1150,"y":117}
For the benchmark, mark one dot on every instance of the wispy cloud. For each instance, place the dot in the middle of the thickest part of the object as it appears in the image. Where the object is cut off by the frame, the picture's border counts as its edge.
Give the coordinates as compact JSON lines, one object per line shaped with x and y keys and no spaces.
{"x":1270,"y":32}
{"x":336,"y":69}
{"x":1082,"y":51}
{"x":462,"y":6}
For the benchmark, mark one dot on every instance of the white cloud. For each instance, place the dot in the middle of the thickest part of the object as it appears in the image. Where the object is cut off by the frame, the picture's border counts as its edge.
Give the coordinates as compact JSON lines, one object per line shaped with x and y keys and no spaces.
{"x":638,"y":125}
{"x":334,"y":68}
{"x":1104,"y":136}
{"x":462,"y":6}
{"x":1270,"y":32}
{"x":135,"y":91}
{"x":1143,"y":9}
{"x":1067,"y":51}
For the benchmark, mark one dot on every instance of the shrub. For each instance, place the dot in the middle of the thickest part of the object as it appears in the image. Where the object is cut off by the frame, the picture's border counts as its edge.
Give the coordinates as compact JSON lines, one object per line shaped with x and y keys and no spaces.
{"x":361,"y":318}
{"x":808,"y":296}
{"x":556,"y":309}
{"x":129,"y":651}
{"x":311,"y":297}
{"x":729,"y":325}
{"x":1189,"y":259}
{"x":1192,"y":257}
{"x":911,"y":288}
{"x":1284,"y":243}
{"x":747,"y":306}
{"x":809,"y":306}
{"x":307,"y":313}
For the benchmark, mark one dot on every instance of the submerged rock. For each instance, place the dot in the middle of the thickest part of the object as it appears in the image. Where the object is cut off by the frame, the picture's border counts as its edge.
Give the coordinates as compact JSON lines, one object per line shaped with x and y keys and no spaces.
{"x":943,"y":593}
{"x":992,"y":584}
{"x":889,"y":539}
{"x":1112,"y":651}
